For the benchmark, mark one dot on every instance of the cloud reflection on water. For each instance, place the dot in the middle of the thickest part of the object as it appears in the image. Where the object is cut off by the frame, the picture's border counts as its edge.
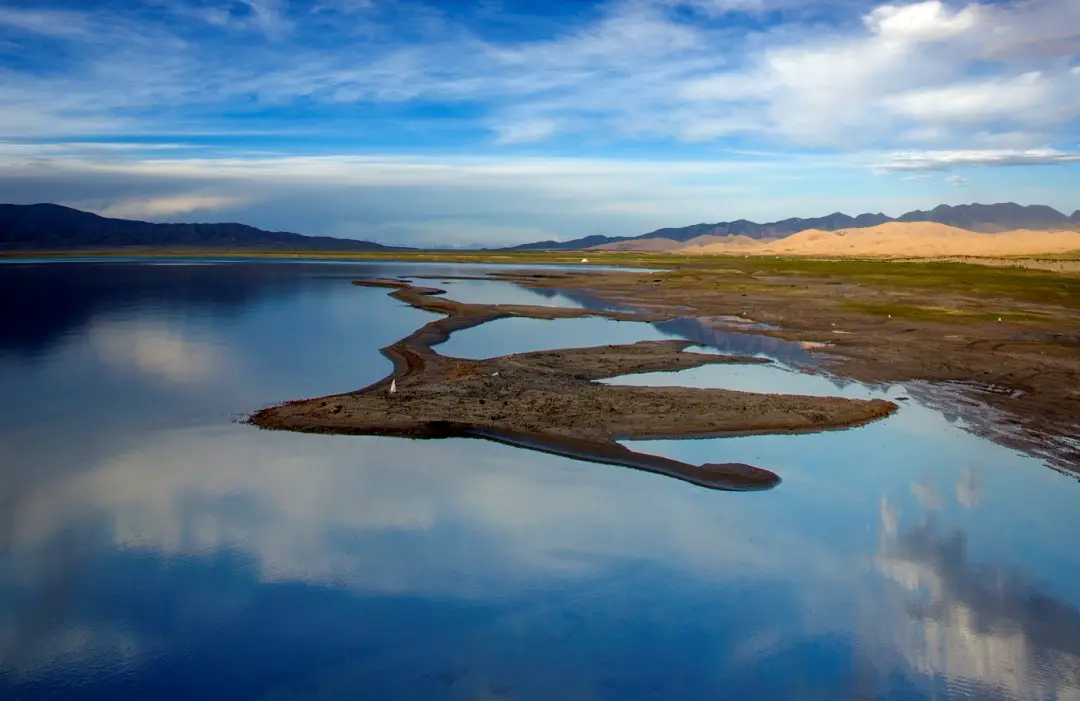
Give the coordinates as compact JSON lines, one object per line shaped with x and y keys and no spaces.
{"x":491,"y":524}
{"x":157,"y":349}
{"x":982,"y":630}
{"x":157,"y":546}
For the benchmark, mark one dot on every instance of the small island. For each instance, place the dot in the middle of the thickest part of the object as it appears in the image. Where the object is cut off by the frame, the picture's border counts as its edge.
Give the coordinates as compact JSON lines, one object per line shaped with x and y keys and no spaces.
{"x":550,"y":400}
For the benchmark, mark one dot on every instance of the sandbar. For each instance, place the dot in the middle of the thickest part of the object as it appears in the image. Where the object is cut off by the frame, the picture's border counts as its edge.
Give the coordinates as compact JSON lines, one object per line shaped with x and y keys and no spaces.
{"x":550,"y":400}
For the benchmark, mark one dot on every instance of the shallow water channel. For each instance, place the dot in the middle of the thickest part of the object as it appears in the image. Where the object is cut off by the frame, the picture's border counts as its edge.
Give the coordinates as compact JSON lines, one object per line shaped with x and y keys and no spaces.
{"x":152,"y":547}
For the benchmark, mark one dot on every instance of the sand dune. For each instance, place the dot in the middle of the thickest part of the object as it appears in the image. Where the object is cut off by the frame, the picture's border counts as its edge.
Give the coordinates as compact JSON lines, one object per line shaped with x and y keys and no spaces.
{"x":908,"y":239}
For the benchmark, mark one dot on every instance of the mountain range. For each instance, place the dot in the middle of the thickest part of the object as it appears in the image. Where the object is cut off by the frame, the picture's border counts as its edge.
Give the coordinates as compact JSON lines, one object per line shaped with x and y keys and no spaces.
{"x":54,"y":227}
{"x":984,"y":218}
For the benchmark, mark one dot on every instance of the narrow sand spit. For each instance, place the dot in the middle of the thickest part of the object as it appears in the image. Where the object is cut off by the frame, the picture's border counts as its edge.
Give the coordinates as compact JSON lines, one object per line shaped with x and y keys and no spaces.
{"x":548,"y":400}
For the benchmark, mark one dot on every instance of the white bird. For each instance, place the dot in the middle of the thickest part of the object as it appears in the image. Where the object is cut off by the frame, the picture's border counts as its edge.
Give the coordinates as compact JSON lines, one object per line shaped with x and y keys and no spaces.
{"x":495,"y":374}
{"x":584,"y":260}
{"x":393,"y":386}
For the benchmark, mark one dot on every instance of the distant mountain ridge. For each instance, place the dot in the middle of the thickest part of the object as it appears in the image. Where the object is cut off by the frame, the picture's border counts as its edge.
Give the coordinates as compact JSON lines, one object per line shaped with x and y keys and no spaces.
{"x":993,"y":218}
{"x":983,"y":218}
{"x":55,"y":227}
{"x":586,"y":242}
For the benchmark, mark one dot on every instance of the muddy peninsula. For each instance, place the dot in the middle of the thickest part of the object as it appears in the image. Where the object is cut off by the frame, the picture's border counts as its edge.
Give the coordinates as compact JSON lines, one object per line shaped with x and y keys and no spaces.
{"x":995,"y":346}
{"x":550,"y":400}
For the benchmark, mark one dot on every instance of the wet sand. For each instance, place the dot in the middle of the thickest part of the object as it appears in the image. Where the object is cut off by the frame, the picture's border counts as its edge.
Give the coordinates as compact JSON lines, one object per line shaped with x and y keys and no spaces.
{"x":550,"y":401}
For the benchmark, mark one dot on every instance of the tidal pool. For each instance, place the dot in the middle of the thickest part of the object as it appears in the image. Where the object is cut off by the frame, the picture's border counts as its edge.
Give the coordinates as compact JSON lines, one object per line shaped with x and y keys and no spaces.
{"x":151,"y":547}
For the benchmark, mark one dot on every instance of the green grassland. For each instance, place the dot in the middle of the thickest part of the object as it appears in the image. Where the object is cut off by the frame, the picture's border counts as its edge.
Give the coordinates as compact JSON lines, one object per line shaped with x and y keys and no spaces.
{"x":722,"y":273}
{"x":1022,"y":285}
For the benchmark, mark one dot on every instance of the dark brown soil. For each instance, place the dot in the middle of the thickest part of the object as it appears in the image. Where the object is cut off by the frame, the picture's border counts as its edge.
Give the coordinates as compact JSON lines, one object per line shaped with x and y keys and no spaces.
{"x":549,"y":400}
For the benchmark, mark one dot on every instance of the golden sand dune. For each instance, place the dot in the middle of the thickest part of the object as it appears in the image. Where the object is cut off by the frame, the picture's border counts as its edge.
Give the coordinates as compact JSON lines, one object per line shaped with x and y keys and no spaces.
{"x":908,"y":239}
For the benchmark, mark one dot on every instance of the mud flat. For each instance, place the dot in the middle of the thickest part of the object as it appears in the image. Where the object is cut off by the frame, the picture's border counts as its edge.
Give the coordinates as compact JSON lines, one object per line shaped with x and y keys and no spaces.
{"x":998,"y":347}
{"x":549,"y":400}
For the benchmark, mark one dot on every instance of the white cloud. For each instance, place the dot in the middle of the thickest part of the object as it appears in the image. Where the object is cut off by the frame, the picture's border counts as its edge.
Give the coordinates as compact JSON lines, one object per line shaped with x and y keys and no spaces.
{"x":943,"y":160}
{"x":266,"y":16}
{"x":1019,"y":98}
{"x":403,"y":199}
{"x":905,"y":79}
{"x":525,"y":131}
{"x":84,"y":148}
{"x":718,"y":8}
{"x":931,"y":85}
{"x":56,"y":23}
{"x":157,"y":207}
{"x":956,"y":181}
{"x":924,"y":21}
{"x":641,"y":69}
{"x":344,"y":6}
{"x":459,"y":200}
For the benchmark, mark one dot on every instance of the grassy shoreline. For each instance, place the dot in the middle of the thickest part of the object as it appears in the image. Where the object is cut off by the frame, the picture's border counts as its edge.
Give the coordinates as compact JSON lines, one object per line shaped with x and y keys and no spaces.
{"x":715,"y":273}
{"x":608,"y":257}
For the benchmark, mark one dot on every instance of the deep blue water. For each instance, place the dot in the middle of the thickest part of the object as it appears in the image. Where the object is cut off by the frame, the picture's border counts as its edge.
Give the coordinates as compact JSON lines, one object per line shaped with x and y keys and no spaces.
{"x":152,"y":548}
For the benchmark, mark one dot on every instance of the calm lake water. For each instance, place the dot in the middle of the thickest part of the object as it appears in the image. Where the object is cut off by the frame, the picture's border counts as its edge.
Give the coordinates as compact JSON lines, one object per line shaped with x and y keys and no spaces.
{"x":152,"y":548}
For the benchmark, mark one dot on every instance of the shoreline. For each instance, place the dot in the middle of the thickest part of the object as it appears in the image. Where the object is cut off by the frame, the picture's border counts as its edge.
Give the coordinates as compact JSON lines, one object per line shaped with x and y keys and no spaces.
{"x":958,"y":332}
{"x":549,"y":400}
{"x":1009,"y":366}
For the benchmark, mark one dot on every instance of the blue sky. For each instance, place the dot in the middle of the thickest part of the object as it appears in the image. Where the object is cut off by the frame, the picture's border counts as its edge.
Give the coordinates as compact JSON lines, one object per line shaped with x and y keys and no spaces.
{"x":500,"y":121}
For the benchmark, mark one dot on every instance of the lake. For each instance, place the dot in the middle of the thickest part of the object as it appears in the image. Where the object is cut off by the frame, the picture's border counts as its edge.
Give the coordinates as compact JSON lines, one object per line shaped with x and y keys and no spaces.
{"x":152,"y":547}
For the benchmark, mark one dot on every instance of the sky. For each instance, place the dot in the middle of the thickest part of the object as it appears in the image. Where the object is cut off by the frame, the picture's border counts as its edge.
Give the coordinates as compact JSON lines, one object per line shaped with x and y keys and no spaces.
{"x":468,"y":122}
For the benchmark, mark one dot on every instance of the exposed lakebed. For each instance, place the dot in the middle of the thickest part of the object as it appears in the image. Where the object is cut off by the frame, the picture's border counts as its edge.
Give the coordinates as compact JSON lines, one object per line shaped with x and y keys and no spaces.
{"x":155,"y":548}
{"x":549,"y":400}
